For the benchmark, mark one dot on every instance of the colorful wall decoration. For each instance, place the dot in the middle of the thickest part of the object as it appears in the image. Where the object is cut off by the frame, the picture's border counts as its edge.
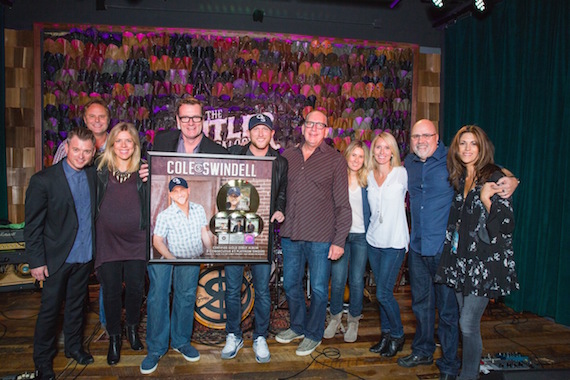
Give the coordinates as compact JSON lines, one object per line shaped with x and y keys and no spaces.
{"x":364,"y":87}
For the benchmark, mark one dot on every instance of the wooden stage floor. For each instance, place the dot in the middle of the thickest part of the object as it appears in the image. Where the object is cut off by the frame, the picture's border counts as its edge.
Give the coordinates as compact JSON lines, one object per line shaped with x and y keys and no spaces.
{"x":545,"y":342}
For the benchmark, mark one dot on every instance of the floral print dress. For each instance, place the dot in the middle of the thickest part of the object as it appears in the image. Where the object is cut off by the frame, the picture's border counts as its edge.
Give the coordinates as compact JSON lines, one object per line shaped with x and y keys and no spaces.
{"x":483,"y":262}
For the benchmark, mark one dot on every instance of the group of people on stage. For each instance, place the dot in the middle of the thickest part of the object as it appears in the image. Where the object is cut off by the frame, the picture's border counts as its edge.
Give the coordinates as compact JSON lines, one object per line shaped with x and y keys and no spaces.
{"x":337,"y":214}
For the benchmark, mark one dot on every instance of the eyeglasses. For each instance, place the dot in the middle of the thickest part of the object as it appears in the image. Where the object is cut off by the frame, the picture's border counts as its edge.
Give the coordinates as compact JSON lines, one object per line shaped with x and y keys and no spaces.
{"x":425,"y":136}
{"x":315,"y":124}
{"x":186,"y":119}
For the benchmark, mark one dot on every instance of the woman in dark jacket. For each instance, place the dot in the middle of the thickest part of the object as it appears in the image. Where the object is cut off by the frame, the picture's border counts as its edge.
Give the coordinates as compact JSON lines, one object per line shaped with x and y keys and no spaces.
{"x":121,"y":241}
{"x":477,"y":259}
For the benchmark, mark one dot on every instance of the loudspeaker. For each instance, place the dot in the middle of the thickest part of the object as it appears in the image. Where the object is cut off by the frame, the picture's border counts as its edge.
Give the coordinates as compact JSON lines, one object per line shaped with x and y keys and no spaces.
{"x":529,"y":374}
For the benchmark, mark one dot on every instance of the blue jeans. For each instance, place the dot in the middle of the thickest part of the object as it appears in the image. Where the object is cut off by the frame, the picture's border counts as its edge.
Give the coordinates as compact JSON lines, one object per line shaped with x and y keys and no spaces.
{"x":295,"y":255}
{"x":426,"y":296}
{"x":353,"y":260}
{"x":385,"y":264}
{"x":161,"y":325}
{"x":102,"y":317}
{"x":262,"y":306}
{"x":471,"y":309}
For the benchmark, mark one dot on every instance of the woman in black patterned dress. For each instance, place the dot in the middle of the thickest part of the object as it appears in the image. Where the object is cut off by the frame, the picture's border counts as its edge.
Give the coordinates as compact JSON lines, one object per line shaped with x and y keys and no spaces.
{"x":477,"y":259}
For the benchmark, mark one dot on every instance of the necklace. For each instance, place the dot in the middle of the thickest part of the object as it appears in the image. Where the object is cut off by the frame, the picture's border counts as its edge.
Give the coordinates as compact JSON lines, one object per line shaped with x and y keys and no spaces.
{"x":121,"y":176}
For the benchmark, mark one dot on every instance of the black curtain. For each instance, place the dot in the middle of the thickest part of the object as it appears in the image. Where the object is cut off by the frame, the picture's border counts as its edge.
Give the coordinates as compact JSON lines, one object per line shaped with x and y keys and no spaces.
{"x":509,"y":74}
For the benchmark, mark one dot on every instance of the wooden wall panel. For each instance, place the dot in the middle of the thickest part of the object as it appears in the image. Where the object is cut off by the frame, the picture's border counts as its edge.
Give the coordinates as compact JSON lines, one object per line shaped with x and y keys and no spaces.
{"x":429,"y":87}
{"x":19,"y":120}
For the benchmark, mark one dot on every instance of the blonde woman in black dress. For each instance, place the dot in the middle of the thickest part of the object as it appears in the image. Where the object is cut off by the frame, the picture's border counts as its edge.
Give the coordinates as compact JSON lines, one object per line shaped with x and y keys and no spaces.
{"x":121,"y":241}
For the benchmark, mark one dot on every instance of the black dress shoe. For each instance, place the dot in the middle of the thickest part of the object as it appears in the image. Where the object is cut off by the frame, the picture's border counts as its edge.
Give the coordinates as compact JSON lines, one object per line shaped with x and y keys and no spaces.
{"x":380,"y":346}
{"x":446,"y":376}
{"x":80,"y":356}
{"x":45,"y":373}
{"x":394,"y":346}
{"x":413,"y":360}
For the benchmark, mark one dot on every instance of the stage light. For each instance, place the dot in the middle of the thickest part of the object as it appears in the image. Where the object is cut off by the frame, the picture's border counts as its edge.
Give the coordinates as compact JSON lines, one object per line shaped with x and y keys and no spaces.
{"x":258,"y":15}
{"x":480,"y":5}
{"x":438,"y":3}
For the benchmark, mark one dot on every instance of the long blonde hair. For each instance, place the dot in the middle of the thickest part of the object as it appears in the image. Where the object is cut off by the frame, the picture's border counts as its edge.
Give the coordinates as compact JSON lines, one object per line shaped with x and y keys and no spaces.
{"x":108,"y":157}
{"x":362,"y":173}
{"x":391,"y":141}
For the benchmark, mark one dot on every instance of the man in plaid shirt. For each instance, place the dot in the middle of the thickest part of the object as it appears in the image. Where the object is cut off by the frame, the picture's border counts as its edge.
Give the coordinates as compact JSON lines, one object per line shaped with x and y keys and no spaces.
{"x":181,"y":231}
{"x":183,"y":225}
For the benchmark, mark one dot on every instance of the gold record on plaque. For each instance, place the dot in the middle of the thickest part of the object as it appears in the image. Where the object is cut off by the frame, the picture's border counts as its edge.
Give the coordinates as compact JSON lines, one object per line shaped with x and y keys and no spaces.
{"x":253,"y":224}
{"x":238,"y":195}
{"x":220,"y":223}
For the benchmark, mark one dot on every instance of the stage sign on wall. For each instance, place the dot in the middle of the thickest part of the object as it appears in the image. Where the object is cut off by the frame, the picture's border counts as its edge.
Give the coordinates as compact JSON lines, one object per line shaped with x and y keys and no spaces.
{"x":234,"y":193}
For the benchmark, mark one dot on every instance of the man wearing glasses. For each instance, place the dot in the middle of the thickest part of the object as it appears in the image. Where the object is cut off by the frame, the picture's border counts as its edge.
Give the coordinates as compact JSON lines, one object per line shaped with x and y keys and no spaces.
{"x":188,"y":137}
{"x":317,"y":224}
{"x":163,"y":326}
{"x":430,"y":202}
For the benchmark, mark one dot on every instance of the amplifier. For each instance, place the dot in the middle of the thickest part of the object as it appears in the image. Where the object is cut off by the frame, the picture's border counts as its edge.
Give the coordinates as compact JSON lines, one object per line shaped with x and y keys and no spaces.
{"x":11,"y":239}
{"x":15,"y":276}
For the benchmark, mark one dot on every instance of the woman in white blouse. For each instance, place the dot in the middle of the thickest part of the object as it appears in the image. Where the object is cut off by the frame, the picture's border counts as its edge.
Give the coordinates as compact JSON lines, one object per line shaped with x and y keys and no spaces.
{"x":387,"y":236}
{"x":352,"y":263}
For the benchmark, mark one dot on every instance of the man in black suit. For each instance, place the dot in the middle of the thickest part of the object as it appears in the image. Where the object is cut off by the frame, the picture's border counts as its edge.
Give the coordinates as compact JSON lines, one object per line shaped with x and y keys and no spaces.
{"x":59,"y":231}
{"x":163,"y":327}
{"x":188,"y":137}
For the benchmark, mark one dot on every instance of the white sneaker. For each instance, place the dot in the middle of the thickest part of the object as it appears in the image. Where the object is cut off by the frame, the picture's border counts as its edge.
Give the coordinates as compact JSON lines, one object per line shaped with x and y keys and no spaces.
{"x":261,"y":350}
{"x":233,"y":345}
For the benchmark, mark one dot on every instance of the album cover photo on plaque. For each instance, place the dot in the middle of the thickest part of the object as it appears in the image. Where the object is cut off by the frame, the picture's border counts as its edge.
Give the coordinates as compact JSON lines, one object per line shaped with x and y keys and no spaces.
{"x":209,"y":208}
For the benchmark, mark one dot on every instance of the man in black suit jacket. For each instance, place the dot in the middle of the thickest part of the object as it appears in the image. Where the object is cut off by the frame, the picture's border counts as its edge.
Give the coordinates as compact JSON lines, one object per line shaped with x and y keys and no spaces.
{"x":188,"y":137}
{"x":59,"y":232}
{"x":164,"y":327}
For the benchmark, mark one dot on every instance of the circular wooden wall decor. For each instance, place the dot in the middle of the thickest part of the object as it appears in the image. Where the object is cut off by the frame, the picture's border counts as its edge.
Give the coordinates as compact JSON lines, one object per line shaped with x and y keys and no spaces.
{"x":210,"y":296}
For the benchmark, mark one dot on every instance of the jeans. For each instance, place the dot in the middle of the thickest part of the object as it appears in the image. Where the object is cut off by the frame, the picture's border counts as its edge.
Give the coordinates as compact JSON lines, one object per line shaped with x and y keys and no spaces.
{"x":354,"y":261}
{"x":471,"y":309}
{"x":111,"y":275}
{"x":385,"y":264}
{"x":262,"y":306}
{"x":426,"y":296}
{"x":102,"y":317}
{"x":295,"y":255}
{"x":161,"y":324}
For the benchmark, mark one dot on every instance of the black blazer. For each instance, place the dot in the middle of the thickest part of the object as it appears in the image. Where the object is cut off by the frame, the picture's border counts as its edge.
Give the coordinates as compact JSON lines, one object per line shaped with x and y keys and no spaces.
{"x":167,"y":141}
{"x":51,"y":220}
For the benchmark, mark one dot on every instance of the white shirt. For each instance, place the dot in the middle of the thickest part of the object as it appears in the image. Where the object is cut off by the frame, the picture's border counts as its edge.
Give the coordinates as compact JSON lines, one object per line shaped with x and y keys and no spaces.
{"x":388,"y":225}
{"x":355,"y":199}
